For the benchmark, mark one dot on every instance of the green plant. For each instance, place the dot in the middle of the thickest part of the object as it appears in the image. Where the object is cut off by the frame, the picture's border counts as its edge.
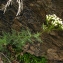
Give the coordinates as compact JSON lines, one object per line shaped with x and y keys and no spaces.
{"x":28,"y":58}
{"x":18,"y":39}
{"x":52,"y":23}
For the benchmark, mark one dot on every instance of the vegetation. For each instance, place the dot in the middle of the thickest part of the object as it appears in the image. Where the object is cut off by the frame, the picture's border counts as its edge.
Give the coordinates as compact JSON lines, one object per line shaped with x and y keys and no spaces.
{"x":12,"y":43}
{"x":28,"y":58}
{"x":18,"y":39}
{"x":52,"y":23}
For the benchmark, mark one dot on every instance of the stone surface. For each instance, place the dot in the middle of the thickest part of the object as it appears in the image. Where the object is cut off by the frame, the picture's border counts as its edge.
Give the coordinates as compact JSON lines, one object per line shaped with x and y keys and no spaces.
{"x":53,"y":54}
{"x":32,"y":17}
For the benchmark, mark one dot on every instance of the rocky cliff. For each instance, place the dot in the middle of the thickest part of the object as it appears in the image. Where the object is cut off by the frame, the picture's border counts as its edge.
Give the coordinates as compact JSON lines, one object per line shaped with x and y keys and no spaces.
{"x":32,"y":17}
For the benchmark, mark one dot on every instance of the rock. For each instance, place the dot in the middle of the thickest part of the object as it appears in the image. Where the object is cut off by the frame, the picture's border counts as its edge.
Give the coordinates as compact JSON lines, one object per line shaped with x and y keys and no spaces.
{"x":1,"y":60}
{"x":32,"y":48}
{"x":14,"y":61}
{"x":50,"y":48}
{"x":52,"y":55}
{"x":29,"y":51}
{"x":32,"y":17}
{"x":16,"y":25}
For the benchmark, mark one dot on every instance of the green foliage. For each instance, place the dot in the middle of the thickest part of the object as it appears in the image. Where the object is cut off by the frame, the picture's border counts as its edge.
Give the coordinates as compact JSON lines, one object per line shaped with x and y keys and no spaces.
{"x":52,"y":23}
{"x":3,"y":41}
{"x":28,"y":58}
{"x":18,"y":39}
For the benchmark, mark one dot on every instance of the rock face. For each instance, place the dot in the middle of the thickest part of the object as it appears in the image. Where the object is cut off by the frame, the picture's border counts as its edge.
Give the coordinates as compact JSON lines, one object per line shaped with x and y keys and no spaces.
{"x":51,"y":47}
{"x":32,"y":17}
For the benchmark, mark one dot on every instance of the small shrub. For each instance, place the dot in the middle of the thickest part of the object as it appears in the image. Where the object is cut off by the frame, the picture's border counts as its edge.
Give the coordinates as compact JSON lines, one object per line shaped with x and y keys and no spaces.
{"x":28,"y":58}
{"x":18,"y":39}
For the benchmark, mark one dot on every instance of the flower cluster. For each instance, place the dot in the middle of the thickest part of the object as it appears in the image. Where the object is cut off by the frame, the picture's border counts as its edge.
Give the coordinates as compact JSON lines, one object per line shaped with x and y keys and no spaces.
{"x":54,"y":20}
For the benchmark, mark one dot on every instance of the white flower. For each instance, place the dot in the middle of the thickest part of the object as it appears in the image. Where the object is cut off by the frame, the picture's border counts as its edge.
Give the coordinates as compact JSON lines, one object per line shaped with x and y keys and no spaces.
{"x":60,"y":22}
{"x":54,"y":23}
{"x":62,"y":27}
{"x":54,"y":19}
{"x":48,"y":17}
